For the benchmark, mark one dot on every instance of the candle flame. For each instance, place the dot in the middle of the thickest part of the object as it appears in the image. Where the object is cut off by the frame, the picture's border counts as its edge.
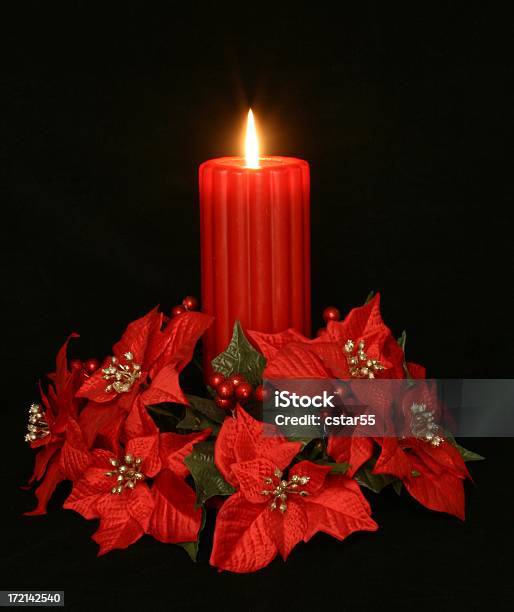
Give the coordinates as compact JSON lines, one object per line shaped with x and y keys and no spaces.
{"x":252,"y":144}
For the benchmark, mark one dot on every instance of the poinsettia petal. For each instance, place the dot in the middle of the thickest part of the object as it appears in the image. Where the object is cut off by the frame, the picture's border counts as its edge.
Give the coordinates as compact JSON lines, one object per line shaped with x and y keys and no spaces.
{"x":393,"y":459}
{"x":331,"y":356}
{"x":118,"y":528}
{"x":62,"y":373}
{"x":44,"y":492}
{"x":101,"y":424}
{"x":360,"y":321}
{"x":242,"y":542}
{"x":296,"y":361}
{"x":165,"y":387}
{"x":443,"y":493}
{"x":74,"y":457}
{"x":243,"y":438}
{"x":42,"y":459}
{"x":416,"y":370}
{"x":94,"y":484}
{"x":94,"y":387}
{"x":147,"y":449}
{"x":136,"y":337}
{"x":354,"y":450}
{"x":287,"y":528}
{"x":139,"y":422}
{"x":139,"y":503}
{"x":270,"y":344}
{"x":251,"y":476}
{"x":338,"y":509}
{"x":175,"y":448}
{"x":175,"y":517}
{"x":175,"y":345}
{"x":315,"y":472}
{"x":445,"y":455}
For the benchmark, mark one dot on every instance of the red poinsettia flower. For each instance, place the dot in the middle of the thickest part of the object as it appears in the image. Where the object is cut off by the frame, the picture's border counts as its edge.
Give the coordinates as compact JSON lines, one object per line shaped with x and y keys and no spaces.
{"x":363,"y":332}
{"x":53,"y":429}
{"x":271,"y":511}
{"x":141,"y":489}
{"x":432,"y":474}
{"x":360,"y":346}
{"x":146,"y":364}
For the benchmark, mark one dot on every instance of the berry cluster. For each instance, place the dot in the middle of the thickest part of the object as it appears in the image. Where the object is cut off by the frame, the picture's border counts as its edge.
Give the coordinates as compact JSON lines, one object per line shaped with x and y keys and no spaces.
{"x":233,"y":389}
{"x":86,"y":368}
{"x":188,"y":303}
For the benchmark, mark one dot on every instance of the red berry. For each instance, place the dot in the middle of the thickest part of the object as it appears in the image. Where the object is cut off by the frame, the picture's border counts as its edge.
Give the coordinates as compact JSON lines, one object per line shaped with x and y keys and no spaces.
{"x":331,"y":313}
{"x":237,"y":379}
{"x":224,"y":404}
{"x":76,"y":364}
{"x":225,"y":390}
{"x":190,"y":302}
{"x":91,"y":365}
{"x":215,"y":379}
{"x":177,"y":310}
{"x":244,"y":392}
{"x":259,"y":393}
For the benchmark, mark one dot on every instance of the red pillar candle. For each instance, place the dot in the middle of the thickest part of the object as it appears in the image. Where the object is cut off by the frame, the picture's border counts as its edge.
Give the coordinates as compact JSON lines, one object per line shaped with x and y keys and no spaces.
{"x":255,"y":245}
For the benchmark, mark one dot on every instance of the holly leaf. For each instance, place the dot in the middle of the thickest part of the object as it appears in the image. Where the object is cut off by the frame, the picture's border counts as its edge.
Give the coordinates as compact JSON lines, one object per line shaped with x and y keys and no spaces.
{"x":240,"y":357}
{"x":335,"y":468}
{"x":374,"y":482}
{"x":192,"y":547}
{"x":208,"y":480}
{"x":165,"y":419}
{"x":206,"y":407}
{"x":397,"y":486}
{"x":194,"y":421}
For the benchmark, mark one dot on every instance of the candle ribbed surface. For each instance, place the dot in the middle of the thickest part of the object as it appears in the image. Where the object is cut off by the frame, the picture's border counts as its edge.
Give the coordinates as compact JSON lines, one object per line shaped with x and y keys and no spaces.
{"x":255,"y":247}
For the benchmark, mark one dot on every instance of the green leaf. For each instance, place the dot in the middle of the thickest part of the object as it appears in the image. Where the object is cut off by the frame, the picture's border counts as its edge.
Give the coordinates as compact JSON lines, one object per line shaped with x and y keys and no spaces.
{"x":197,"y":422}
{"x":166,"y":419}
{"x":336,"y":468}
{"x":466,"y":454}
{"x":240,"y":358}
{"x":397,"y":486}
{"x":374,"y":482}
{"x":206,"y":407}
{"x":370,"y":297}
{"x":192,"y":547}
{"x":208,"y":481}
{"x":402,"y":340}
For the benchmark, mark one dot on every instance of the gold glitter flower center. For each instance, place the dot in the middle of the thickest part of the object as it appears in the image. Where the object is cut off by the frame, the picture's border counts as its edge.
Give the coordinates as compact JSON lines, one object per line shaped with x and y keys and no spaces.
{"x":37,"y":427}
{"x":127,"y":473}
{"x":123,"y":375}
{"x":423,"y":425}
{"x":283,"y":488}
{"x":359,"y":364}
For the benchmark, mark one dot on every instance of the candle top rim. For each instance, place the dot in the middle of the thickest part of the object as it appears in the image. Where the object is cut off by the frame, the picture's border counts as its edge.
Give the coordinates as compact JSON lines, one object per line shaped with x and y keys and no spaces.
{"x":265,"y":162}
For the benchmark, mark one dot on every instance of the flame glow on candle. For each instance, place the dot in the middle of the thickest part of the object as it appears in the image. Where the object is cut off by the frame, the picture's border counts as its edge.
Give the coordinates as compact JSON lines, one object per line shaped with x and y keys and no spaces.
{"x":251,"y":142}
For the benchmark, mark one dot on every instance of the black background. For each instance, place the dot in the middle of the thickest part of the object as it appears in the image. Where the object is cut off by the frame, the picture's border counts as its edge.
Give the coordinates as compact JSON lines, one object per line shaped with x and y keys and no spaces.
{"x":403,"y":114}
